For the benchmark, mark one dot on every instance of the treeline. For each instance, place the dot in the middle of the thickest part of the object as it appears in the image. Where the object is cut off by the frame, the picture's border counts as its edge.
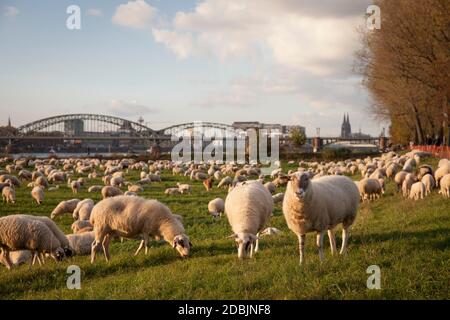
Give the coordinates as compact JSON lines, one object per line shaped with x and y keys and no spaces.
{"x":406,"y":68}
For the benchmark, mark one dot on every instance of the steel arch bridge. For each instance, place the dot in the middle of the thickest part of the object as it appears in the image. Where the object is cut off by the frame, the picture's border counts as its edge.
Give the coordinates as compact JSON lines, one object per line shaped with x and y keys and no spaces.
{"x":211,"y":129}
{"x":115,"y":123}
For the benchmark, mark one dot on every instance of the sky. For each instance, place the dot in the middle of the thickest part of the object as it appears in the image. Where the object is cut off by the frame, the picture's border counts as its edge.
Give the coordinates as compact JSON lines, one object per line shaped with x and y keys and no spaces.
{"x":177,"y":61}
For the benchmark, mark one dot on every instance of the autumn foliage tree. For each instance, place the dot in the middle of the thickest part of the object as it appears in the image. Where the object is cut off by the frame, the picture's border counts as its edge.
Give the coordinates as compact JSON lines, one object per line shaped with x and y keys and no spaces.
{"x":406,"y":68}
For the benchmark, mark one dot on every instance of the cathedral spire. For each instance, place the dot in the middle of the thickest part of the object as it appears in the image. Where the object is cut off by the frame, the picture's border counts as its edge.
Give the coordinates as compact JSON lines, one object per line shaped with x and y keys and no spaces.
{"x":9,"y":121}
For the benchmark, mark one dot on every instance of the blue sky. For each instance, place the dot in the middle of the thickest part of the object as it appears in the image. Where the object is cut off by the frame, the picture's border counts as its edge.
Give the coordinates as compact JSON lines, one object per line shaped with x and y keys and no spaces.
{"x":175,"y":61}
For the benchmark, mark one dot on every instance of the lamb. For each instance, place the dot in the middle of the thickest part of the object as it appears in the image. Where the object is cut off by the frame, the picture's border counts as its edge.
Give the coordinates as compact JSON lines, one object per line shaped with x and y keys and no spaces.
{"x":83,"y":210}
{"x":38,"y":194}
{"x":79,"y":225}
{"x":109,"y":191}
{"x":82,"y":243}
{"x":320,"y":205}
{"x":417,"y":191}
{"x":216,"y":207}
{"x":63,"y":207}
{"x":9,"y":195}
{"x":17,"y":258}
{"x":22,"y":233}
{"x":407,"y":183}
{"x":270,"y":186}
{"x":172,"y":191}
{"x":132,"y":217}
{"x":445,"y":186}
{"x":278,"y":197}
{"x":429,"y":183}
{"x":248,"y":208}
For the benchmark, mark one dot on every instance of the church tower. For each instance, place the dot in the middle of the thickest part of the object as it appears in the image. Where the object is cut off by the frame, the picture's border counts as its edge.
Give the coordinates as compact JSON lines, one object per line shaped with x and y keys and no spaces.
{"x":346,"y":128}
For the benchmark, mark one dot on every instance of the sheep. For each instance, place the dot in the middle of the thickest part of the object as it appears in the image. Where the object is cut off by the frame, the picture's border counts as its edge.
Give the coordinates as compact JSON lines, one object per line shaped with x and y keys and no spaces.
{"x":399,"y":178}
{"x":423,"y":170}
{"x":445,"y":186}
{"x":117,"y":181}
{"x":225,"y":182}
{"x":281,"y":181}
{"x":278,"y":197}
{"x":80,"y":225}
{"x":41,"y":182}
{"x":154,"y":177}
{"x":320,"y":205}
{"x":9,"y":195}
{"x":208,"y":183}
{"x":18,"y":257}
{"x":135,"y":188}
{"x":109,"y":191}
{"x":407,"y":183}
{"x":216,"y":207}
{"x":417,"y":191}
{"x":248,"y":208}
{"x":83,"y":210}
{"x":369,"y":189}
{"x":22,"y":233}
{"x":75,"y":186}
{"x":38,"y":194}
{"x":130,"y":217}
{"x":441,"y":172}
{"x":82,"y":243}
{"x":63,"y":207}
{"x":429,"y":183}
{"x":172,"y":191}
{"x":184,"y":188}
{"x":270,"y":186}
{"x":130,"y":194}
{"x":95,"y":189}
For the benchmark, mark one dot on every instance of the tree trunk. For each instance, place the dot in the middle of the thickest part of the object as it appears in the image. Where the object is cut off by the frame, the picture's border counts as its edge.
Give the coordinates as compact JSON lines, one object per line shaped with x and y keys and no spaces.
{"x":418,"y":125}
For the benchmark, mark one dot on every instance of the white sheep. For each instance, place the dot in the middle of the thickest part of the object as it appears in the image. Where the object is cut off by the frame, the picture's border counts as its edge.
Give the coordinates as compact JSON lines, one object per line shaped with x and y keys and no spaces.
{"x":270,"y":187}
{"x":441,"y":172}
{"x":184,"y":188}
{"x":216,"y":207}
{"x":445,"y":186}
{"x":417,"y":191}
{"x":429,"y":183}
{"x":9,"y":194}
{"x":225,"y":182}
{"x":75,"y":186}
{"x":67,"y":206}
{"x":79,"y":225}
{"x":38,"y":194}
{"x":83,"y":210}
{"x":135,"y":188}
{"x":131,"y":217}
{"x":370,"y":189}
{"x":248,"y":208}
{"x":172,"y":191}
{"x":17,"y":258}
{"x":407,"y":183}
{"x":22,"y":233}
{"x":95,"y":188}
{"x":109,"y":191}
{"x":81,"y":243}
{"x":320,"y":205}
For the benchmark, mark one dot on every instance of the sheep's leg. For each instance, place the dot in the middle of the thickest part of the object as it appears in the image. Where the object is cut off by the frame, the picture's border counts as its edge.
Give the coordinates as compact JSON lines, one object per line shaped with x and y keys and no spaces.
{"x":301,"y":247}
{"x":257,"y":243}
{"x":252,"y":250}
{"x":345,"y":235}
{"x":5,"y":254}
{"x":106,"y":248}
{"x":43,"y":258}
{"x":146,"y":240}
{"x":95,"y":246}
{"x":332,"y":242}
{"x":319,"y":242}
{"x":141,"y":245}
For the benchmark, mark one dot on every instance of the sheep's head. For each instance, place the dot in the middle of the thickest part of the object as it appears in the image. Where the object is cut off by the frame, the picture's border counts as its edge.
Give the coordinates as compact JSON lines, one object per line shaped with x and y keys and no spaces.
{"x":58,"y":254}
{"x":244,"y":241}
{"x":182,"y":244}
{"x":299,"y":184}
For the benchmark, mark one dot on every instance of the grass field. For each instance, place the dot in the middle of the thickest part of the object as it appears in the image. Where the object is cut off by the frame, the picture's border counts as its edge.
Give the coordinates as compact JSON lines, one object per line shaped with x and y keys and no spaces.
{"x":409,"y":241}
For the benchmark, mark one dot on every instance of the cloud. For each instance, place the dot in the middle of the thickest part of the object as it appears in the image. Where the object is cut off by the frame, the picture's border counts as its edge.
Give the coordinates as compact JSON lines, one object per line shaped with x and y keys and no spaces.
{"x":128,"y":109}
{"x":11,"y":11}
{"x":95,"y":12}
{"x":305,"y":35}
{"x":136,"y":14}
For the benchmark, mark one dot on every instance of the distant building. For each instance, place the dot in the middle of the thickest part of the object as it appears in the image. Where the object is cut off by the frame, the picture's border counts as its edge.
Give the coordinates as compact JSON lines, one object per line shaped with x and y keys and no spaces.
{"x":346,"y":128}
{"x":271,"y":127}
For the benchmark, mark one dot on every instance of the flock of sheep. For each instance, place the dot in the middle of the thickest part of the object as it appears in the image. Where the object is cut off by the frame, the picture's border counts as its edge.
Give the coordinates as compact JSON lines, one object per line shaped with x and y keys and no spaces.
{"x":318,"y":197}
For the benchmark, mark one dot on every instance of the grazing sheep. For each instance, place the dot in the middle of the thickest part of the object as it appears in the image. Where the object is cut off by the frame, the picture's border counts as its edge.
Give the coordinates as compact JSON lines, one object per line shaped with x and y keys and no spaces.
{"x":417,"y":191}
{"x":281,"y":181}
{"x":132,"y":217}
{"x":9,"y":195}
{"x":407,"y":183}
{"x":208,"y":183}
{"x":278,"y":197}
{"x":117,"y":181}
{"x":41,"y":182}
{"x":95,"y":189}
{"x":399,"y":178}
{"x":83,"y":210}
{"x":18,"y":257}
{"x":429,"y":183}
{"x":154,"y":177}
{"x":248,"y":208}
{"x":108,"y":192}
{"x":184,"y":188}
{"x":38,"y":194}
{"x":75,"y":186}
{"x":216,"y":207}
{"x":135,"y":188}
{"x":63,"y":207}
{"x":370,"y":189}
{"x":320,"y":205}
{"x":81,"y":243}
{"x":172,"y":191}
{"x":270,"y":186}
{"x":225,"y":182}
{"x":80,"y":225}
{"x":22,"y":233}
{"x":441,"y":172}
{"x":423,"y":170}
{"x":445,"y":186}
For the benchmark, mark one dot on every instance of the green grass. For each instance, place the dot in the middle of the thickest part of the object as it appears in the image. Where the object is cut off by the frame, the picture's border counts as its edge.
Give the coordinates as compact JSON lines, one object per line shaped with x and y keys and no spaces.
{"x":409,"y":241}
